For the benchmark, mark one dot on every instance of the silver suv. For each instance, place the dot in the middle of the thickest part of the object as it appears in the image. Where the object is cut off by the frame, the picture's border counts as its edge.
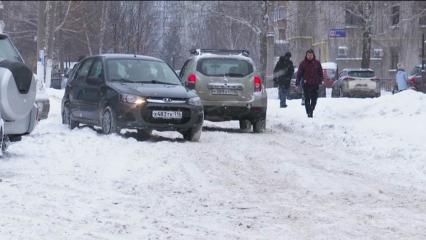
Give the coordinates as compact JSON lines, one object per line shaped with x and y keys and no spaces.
{"x":229,"y":86}
{"x":18,"y":111}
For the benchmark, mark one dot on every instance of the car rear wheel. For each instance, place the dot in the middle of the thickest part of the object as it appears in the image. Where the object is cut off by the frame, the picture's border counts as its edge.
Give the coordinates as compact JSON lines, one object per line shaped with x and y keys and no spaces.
{"x":66,"y":117}
{"x":108,"y":121}
{"x":192,"y":135}
{"x":245,"y":125}
{"x":259,"y":125}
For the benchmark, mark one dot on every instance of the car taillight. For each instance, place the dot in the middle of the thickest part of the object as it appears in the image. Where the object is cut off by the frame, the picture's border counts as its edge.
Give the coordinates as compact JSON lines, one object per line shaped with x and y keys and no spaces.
{"x":412,"y":80}
{"x":257,"y":83}
{"x":192,"y":79}
{"x":349,"y":79}
{"x":375,"y":79}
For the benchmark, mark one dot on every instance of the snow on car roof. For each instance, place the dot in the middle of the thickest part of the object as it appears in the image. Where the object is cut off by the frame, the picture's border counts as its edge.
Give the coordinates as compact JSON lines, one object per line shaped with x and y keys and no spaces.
{"x":358,"y":69}
{"x":329,"y":65}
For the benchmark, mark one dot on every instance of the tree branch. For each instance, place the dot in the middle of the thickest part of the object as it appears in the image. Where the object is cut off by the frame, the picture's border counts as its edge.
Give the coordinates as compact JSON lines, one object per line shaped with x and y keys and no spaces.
{"x":65,"y":17}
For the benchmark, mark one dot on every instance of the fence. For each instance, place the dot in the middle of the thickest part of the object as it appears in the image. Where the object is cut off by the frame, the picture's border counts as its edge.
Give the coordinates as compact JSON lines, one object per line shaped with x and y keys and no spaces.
{"x":387,"y":84}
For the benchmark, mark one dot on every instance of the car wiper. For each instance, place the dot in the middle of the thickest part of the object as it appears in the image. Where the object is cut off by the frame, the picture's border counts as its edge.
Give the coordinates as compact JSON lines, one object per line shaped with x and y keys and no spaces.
{"x":234,"y":75}
{"x":122,"y":80}
{"x":158,"y":82}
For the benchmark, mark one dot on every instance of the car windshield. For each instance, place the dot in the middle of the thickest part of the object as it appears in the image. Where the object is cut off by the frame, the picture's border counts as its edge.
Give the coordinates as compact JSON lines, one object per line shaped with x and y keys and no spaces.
{"x":141,"y":71}
{"x":362,"y":74}
{"x":224,"y":67}
{"x":7,"y":51}
{"x":416,"y":71}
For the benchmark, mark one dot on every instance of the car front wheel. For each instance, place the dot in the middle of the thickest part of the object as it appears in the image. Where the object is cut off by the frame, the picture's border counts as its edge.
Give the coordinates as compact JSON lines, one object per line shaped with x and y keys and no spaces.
{"x":192,"y":135}
{"x":108,"y":121}
{"x":144,"y":133}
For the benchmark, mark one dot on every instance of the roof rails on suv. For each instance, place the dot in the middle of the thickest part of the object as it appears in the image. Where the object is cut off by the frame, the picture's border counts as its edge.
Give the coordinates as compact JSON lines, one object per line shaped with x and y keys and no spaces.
{"x":219,"y":51}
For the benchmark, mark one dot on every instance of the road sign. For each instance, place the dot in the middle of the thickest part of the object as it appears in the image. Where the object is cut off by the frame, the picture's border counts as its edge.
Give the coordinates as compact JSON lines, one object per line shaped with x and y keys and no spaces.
{"x":337,"y":32}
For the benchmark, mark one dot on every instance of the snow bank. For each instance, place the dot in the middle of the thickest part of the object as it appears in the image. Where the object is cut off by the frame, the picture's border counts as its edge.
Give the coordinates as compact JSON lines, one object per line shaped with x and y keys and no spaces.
{"x":354,"y":171}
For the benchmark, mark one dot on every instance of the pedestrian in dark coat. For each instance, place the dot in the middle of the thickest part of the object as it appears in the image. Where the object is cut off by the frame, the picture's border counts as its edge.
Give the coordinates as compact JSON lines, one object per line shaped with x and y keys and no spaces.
{"x":283,"y":72}
{"x":311,"y":71}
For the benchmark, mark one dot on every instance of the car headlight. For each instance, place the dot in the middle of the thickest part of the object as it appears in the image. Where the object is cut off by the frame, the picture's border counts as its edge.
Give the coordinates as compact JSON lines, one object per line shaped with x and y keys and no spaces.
{"x":132,"y":99}
{"x":196,"y":101}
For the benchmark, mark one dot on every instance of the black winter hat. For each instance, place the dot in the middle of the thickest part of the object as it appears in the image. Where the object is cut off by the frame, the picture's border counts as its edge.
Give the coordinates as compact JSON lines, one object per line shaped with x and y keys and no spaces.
{"x":287,"y":55}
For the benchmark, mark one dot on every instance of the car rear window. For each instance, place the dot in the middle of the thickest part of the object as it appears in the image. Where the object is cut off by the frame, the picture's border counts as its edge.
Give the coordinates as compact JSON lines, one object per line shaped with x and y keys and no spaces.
{"x":363,"y":74}
{"x":224,"y":66}
{"x":7,"y":51}
{"x":330,"y":73}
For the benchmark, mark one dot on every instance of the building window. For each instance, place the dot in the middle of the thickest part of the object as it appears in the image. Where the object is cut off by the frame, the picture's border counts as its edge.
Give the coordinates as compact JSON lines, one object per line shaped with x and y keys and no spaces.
{"x":395,"y":15}
{"x":422,"y":20}
{"x":352,"y":19}
{"x":378,"y":53}
{"x":279,"y":14}
{"x":342,"y":51}
{"x":281,"y":34}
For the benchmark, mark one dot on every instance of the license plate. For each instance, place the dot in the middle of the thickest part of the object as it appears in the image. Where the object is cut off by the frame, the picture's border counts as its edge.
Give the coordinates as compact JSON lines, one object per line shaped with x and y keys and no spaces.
{"x":224,"y":91}
{"x":167,"y":114}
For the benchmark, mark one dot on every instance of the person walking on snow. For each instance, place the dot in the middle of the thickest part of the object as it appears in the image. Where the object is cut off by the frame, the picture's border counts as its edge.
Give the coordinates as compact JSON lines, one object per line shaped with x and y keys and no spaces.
{"x":401,"y":78}
{"x":311,"y":71}
{"x":283,"y":72}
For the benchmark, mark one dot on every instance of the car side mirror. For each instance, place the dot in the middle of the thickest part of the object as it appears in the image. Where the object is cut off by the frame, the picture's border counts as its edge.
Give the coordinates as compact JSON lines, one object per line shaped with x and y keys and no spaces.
{"x":94,"y":80}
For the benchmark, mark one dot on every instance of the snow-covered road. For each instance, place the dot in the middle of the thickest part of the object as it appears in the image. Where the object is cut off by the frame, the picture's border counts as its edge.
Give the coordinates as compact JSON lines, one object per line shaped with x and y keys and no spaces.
{"x":357,"y":170}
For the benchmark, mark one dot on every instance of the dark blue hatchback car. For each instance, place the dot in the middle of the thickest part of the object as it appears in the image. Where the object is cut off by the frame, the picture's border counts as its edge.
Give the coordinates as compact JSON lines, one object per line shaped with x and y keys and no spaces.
{"x":116,"y":91}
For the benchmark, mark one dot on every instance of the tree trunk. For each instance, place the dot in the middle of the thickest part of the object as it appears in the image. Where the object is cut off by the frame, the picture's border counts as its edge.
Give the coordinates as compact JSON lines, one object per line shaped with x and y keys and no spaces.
{"x":366,"y":36}
{"x":263,"y":41}
{"x":263,"y":55}
{"x":103,"y":25}
{"x":366,"y":49}
{"x":51,"y":9}
{"x":41,"y":24}
{"x":86,"y":35}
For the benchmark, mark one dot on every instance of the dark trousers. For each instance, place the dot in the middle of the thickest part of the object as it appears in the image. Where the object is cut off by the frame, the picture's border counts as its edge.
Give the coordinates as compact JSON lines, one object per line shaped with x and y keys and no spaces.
{"x":282,"y":93}
{"x":311,"y":96}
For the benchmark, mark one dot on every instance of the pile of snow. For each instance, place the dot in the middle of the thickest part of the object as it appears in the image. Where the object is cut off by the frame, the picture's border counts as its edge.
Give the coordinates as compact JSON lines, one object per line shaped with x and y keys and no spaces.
{"x":355,"y":171}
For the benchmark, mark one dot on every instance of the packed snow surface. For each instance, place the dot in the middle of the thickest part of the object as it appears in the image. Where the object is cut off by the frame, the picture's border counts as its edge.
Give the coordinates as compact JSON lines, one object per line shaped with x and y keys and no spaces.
{"x":357,"y":170}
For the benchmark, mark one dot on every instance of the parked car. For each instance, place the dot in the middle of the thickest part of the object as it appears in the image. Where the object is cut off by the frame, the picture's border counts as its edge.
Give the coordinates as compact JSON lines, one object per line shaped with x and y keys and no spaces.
{"x":295,"y":92}
{"x":229,"y":86}
{"x":18,"y":111}
{"x":116,"y":91}
{"x":415,"y":77}
{"x":356,"y":83}
{"x":330,"y":73}
{"x":68,"y":74}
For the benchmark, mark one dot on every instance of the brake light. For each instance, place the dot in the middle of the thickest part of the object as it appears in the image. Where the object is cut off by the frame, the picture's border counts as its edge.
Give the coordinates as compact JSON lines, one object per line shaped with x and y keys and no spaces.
{"x":412,"y":80}
{"x":375,"y":79}
{"x":192,"y":78}
{"x":349,"y":79}
{"x":257,"y":83}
